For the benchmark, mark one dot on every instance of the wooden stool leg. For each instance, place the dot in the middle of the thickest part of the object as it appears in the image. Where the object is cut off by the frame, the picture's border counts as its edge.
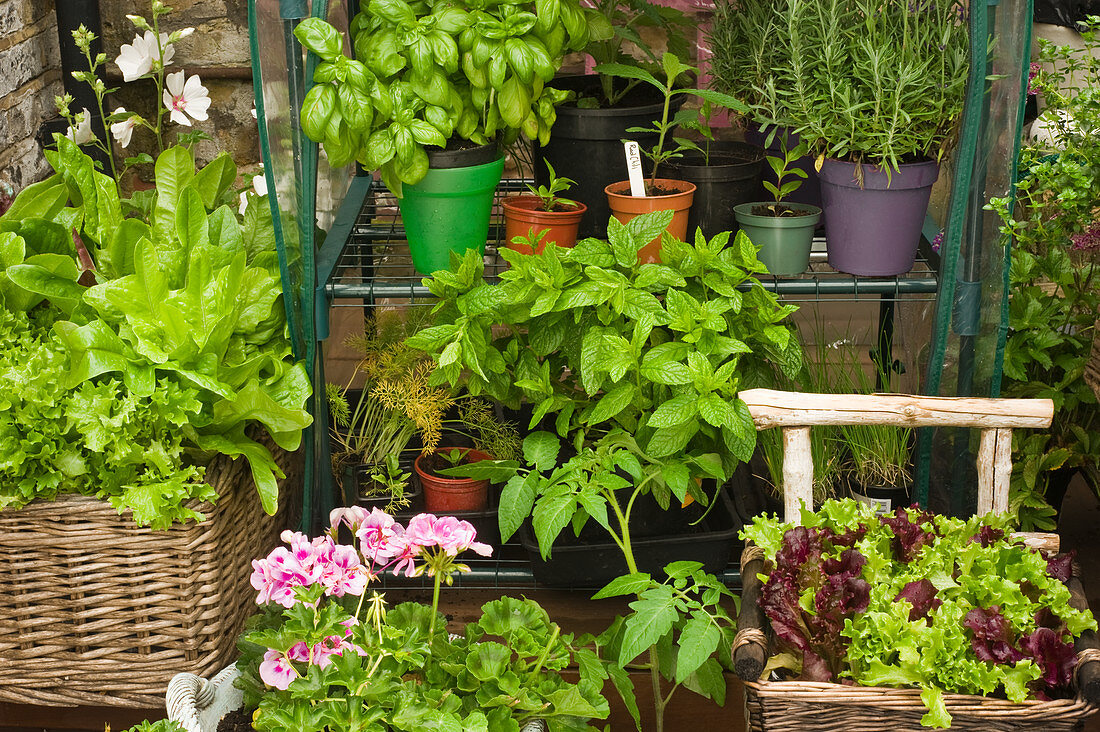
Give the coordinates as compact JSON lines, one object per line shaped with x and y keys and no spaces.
{"x":798,"y":472}
{"x":994,"y":470}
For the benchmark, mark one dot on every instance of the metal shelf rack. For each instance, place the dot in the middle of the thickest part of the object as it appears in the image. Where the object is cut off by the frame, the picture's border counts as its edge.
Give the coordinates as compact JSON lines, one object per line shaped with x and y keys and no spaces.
{"x":365,"y":263}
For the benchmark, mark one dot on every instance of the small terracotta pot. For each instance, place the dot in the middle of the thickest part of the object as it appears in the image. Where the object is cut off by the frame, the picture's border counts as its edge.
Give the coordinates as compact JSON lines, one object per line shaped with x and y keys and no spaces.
{"x":444,"y":495}
{"x":523,"y":216}
{"x":624,"y":207}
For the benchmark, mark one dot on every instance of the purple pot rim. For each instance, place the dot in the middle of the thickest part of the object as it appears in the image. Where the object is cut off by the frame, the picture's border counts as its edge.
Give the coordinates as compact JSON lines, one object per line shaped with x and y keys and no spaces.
{"x":908,"y":176}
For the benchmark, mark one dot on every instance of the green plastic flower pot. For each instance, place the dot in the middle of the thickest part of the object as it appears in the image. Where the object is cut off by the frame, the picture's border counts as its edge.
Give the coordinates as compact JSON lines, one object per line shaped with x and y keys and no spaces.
{"x":448,"y":211}
{"x":784,"y":241}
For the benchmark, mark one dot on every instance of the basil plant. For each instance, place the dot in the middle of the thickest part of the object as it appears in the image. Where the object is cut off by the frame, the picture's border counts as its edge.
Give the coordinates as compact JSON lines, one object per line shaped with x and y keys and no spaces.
{"x":429,"y":74}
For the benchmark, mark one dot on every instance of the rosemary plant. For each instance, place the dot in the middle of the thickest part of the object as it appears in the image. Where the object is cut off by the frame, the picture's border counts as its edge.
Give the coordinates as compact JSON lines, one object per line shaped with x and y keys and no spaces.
{"x":861,"y":80}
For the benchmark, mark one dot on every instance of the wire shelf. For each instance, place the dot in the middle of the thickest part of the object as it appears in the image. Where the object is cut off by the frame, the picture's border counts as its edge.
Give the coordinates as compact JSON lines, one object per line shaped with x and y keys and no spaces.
{"x":375,"y":268}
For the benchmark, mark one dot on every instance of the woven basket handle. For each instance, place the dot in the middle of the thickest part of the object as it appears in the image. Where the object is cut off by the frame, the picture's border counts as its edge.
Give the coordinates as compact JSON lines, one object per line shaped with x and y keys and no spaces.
{"x":750,"y":645}
{"x":797,"y":412}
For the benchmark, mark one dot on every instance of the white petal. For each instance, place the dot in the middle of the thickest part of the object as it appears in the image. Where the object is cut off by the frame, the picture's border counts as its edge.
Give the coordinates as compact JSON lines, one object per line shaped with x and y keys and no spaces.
{"x":133,"y":62}
{"x":259,"y":183}
{"x":186,"y":32}
{"x":244,"y":204}
{"x":197,"y":108}
{"x":174,"y":82}
{"x":180,"y":118}
{"x":194,"y":88}
{"x":123,"y":131}
{"x":168,"y":99}
{"x":119,"y":110}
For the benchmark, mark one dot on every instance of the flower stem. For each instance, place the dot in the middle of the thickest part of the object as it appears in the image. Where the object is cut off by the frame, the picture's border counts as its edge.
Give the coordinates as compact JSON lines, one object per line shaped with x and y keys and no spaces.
{"x":545,"y":653}
{"x":435,"y":602}
{"x":160,"y":85}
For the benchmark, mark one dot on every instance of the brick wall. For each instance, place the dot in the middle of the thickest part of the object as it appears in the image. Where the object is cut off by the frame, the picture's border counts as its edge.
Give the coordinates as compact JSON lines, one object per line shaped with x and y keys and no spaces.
{"x":30,"y":78}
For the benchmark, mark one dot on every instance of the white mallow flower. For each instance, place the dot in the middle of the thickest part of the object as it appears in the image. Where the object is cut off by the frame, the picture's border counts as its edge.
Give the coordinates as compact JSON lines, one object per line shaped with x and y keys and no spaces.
{"x":135,"y":59}
{"x":259,"y":185}
{"x":185,"y":98}
{"x":82,"y":133}
{"x":124,"y":130}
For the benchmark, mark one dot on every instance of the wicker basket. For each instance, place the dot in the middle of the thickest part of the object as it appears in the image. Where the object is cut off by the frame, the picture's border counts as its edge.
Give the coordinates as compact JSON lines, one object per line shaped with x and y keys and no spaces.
{"x":98,"y":611}
{"x":795,"y":706}
{"x":787,"y":706}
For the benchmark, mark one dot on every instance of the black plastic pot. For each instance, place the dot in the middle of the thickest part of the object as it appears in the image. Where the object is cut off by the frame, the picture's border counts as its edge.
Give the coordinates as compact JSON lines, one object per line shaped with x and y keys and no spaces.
{"x":1057,"y":485}
{"x":886,"y":499}
{"x":465,"y":156}
{"x":586,"y":145}
{"x":360,"y":474}
{"x":594,"y":564}
{"x":732,"y":177}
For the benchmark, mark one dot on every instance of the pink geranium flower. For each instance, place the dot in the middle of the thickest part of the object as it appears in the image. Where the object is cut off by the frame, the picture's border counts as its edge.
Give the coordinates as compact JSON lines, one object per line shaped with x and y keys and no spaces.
{"x":404,"y":554}
{"x":353,"y":516}
{"x":275,"y":670}
{"x":448,"y":533}
{"x":376,"y":534}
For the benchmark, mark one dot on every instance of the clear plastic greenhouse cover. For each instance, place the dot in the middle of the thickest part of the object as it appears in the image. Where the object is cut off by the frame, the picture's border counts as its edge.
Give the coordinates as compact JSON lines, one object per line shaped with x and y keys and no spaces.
{"x":306,"y":191}
{"x":965,"y":354}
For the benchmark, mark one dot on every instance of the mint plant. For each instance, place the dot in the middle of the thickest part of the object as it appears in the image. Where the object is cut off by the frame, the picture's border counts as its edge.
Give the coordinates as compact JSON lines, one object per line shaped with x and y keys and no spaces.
{"x":598,"y":341}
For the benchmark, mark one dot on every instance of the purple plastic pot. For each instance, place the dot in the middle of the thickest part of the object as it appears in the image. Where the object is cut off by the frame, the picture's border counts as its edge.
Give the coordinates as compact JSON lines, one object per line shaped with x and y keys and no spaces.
{"x":810,"y":190}
{"x":874,"y":230}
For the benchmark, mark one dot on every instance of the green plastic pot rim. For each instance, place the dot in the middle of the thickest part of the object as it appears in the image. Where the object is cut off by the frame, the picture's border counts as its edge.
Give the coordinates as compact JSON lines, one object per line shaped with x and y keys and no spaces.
{"x":744,"y":214}
{"x":441,"y":181}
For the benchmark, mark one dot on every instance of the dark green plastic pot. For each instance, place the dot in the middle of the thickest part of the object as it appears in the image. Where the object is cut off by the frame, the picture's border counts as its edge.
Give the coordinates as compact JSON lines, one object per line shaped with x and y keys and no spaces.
{"x":448,"y":211}
{"x":784,"y":241}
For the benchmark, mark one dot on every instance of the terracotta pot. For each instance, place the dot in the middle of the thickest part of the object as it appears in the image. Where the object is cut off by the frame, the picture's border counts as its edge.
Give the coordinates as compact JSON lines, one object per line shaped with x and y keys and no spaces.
{"x":624,"y":207}
{"x":524,"y":216}
{"x":444,"y":495}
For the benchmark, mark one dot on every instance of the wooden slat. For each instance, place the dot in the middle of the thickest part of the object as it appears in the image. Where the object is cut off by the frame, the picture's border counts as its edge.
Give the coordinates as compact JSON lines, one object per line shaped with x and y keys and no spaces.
{"x":987,"y":454}
{"x":798,"y":472}
{"x":770,"y":408}
{"x":1049,"y":542}
{"x":1002,"y":471}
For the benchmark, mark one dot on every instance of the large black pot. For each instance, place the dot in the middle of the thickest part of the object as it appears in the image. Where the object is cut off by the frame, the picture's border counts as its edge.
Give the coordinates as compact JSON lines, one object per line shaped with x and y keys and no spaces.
{"x":586,"y":145}
{"x":592,"y":563}
{"x":731,"y":177}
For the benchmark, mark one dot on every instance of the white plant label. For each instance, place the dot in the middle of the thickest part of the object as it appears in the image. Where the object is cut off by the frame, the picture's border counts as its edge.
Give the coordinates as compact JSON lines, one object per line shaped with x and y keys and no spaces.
{"x":634,"y":169}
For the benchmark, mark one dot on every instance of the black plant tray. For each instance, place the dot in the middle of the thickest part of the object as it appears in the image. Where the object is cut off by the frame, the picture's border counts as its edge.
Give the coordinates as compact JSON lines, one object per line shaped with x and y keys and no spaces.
{"x":593,"y":565}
